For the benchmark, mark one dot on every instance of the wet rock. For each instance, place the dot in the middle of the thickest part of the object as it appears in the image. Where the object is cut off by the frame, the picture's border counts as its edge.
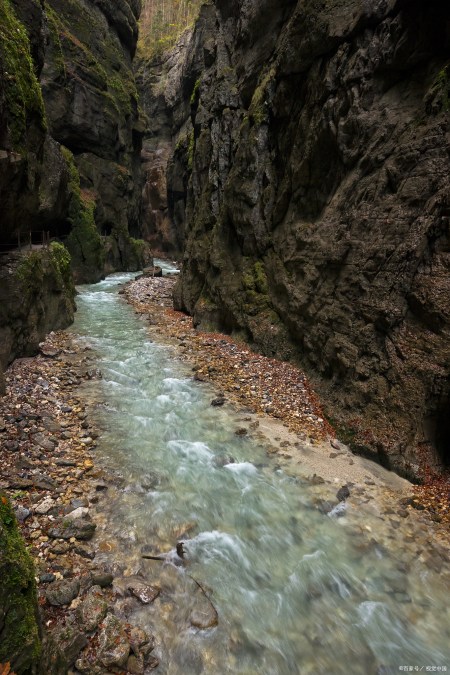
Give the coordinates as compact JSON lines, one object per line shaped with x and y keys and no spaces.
{"x":138,"y":587}
{"x":62,"y":592}
{"x":316,"y":480}
{"x":223,"y":460}
{"x":242,"y":431}
{"x":84,"y":552}
{"x":102,"y":579}
{"x":151,"y":480}
{"x":92,"y":610}
{"x":70,"y":641}
{"x":140,"y":641}
{"x":100,"y":486}
{"x":79,"y":501}
{"x":135,"y":665}
{"x":343,"y":493}
{"x":219,"y":401}
{"x":80,"y":512}
{"x":47,"y":578}
{"x":81,"y":529}
{"x":114,"y":648}
{"x":44,"y":482}
{"x":203,"y":614}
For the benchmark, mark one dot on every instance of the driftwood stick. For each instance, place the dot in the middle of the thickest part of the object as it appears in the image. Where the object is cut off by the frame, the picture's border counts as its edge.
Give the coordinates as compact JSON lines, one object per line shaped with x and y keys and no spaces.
{"x":153,"y":557}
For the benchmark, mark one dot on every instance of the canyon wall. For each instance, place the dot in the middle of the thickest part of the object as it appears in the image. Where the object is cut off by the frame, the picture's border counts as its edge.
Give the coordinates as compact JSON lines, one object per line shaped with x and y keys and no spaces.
{"x":70,"y":143}
{"x":313,"y":162}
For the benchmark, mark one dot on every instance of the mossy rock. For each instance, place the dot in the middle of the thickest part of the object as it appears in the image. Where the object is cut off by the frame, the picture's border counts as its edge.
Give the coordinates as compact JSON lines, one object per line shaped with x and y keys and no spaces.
{"x":20,"y":639}
{"x":84,"y":243}
{"x":23,"y":103}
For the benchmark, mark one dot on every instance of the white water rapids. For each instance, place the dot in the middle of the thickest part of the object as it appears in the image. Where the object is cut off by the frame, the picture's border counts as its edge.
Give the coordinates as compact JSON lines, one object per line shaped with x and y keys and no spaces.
{"x":296,"y":591}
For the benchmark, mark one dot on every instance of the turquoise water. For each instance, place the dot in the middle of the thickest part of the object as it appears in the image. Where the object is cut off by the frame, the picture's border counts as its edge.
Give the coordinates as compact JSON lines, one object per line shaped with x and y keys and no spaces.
{"x":296,"y":591}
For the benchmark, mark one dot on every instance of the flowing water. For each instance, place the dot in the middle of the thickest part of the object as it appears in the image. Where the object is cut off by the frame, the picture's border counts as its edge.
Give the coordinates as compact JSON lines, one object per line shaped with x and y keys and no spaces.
{"x":296,"y":591}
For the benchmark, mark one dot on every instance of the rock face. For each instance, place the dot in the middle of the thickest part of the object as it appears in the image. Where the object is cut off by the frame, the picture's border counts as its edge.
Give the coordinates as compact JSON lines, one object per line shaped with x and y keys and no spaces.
{"x":160,"y":82}
{"x":315,"y":155}
{"x":36,"y":296}
{"x":92,"y":109}
{"x":70,"y":140}
{"x":19,"y":619}
{"x":70,"y":133}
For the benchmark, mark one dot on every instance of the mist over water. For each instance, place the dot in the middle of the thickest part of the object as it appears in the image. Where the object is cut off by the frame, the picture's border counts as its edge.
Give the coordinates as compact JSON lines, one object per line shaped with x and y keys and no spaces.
{"x":296,"y":590}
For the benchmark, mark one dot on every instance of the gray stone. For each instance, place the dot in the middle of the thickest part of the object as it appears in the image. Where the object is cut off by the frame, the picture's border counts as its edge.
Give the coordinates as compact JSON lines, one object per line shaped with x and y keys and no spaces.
{"x":22,"y":513}
{"x":62,"y":592}
{"x":70,"y":640}
{"x":81,"y":529}
{"x":92,"y":610}
{"x":113,"y":645}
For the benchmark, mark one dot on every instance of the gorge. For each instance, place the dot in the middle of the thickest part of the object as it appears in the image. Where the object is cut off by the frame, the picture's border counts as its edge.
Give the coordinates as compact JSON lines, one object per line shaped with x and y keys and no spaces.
{"x":294,"y":157}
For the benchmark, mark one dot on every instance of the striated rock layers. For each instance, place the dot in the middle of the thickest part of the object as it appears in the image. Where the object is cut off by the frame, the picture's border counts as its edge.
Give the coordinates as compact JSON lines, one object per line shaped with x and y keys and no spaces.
{"x":315,"y":153}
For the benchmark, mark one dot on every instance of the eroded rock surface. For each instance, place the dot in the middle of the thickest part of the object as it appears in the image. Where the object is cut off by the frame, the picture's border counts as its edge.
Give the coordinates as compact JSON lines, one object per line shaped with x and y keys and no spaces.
{"x":313,"y":163}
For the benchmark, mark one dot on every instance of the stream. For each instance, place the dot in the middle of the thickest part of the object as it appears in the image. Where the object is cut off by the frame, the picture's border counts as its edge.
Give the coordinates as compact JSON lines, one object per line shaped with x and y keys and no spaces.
{"x":296,"y":590}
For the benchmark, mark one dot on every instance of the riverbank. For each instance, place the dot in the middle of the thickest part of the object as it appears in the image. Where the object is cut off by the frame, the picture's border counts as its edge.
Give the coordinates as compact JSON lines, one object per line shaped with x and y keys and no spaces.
{"x":280,"y":400}
{"x":63,"y":497}
{"x":48,"y":473}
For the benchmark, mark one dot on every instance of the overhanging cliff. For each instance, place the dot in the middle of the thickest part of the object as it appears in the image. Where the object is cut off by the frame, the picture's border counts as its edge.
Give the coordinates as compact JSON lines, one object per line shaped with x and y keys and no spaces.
{"x":314,"y":149}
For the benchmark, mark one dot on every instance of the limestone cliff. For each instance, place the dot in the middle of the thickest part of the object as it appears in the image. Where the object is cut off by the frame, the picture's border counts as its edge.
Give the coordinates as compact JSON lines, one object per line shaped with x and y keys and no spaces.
{"x":70,"y":140}
{"x":92,"y":109}
{"x":315,"y":156}
{"x":160,"y":82}
{"x":36,"y":296}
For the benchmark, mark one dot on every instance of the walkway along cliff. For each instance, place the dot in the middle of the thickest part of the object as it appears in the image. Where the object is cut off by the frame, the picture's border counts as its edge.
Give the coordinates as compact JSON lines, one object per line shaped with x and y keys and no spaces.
{"x":309,"y":178}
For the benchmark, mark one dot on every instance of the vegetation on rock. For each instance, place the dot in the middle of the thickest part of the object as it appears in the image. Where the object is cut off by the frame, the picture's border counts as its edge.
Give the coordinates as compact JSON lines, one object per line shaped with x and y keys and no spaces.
{"x":19,"y":625}
{"x":84,"y":241}
{"x":23,"y":96}
{"x":162,"y":22}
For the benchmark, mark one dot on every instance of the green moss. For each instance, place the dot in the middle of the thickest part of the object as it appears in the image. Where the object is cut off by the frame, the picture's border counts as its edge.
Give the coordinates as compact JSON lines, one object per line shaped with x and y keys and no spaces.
{"x":190,"y":149}
{"x":196,"y":92}
{"x":20,"y":643}
{"x":258,"y":107}
{"x":442,"y":86}
{"x":60,"y":261}
{"x":54,"y":27}
{"x":256,"y":289}
{"x":30,"y":273}
{"x":101,"y":62}
{"x":22,"y":92}
{"x":84,"y":243}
